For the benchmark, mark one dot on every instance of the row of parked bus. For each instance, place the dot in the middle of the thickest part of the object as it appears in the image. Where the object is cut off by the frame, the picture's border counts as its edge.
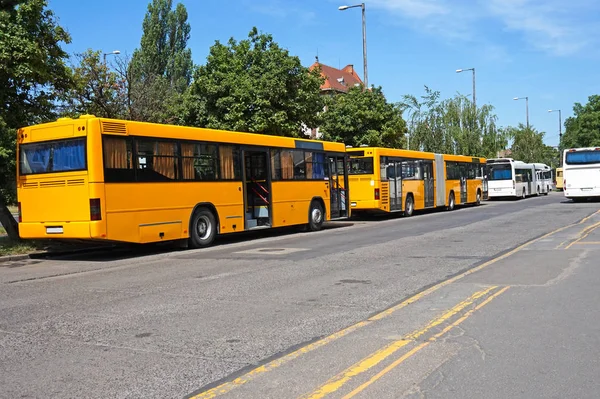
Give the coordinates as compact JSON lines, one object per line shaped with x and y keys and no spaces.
{"x":510,"y":178}
{"x":124,"y":181}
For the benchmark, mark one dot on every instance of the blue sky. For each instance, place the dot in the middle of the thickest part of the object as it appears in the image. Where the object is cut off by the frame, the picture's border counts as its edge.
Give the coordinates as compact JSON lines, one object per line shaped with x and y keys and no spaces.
{"x":544,"y":49}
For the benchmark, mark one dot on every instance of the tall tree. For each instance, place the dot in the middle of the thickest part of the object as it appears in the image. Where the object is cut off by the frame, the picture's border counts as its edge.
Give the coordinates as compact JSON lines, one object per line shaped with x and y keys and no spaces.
{"x":364,"y":117}
{"x":452,"y":125}
{"x":161,"y":69}
{"x":254,"y":86}
{"x":583,"y":129}
{"x":32,"y":71}
{"x":96,"y":89}
{"x":527,"y":144}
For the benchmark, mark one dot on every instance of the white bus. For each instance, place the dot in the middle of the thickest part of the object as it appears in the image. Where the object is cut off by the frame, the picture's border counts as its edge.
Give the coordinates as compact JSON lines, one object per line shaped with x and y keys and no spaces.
{"x":543,"y":177}
{"x":581,"y":173}
{"x":509,"y":178}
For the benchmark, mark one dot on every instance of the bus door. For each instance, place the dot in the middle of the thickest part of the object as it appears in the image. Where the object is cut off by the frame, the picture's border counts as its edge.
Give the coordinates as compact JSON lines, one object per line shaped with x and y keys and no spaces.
{"x":463,"y":184}
{"x":484,"y":182}
{"x":257,"y":189}
{"x":394,"y":175}
{"x":337,"y":187}
{"x":428,"y":182}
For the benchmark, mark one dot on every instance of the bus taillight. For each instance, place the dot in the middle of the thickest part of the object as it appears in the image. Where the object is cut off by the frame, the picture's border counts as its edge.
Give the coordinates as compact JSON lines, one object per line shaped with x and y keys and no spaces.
{"x":19,"y":215}
{"x":376,"y":193}
{"x":95,"y":209}
{"x":514,"y":185}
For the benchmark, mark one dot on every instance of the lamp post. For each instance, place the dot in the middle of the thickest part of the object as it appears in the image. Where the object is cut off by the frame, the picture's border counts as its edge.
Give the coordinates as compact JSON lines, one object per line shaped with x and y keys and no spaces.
{"x":559,"y":134}
{"x":526,"y":107}
{"x":470,"y":69}
{"x":364,"y":35}
{"x":116,"y":52}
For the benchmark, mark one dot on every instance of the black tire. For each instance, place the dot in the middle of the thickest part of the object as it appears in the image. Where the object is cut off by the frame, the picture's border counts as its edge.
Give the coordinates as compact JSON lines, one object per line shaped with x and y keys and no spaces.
{"x":409,"y":206}
{"x":478,"y":198}
{"x":451,"y":202}
{"x":316,"y":216}
{"x":203,"y":228}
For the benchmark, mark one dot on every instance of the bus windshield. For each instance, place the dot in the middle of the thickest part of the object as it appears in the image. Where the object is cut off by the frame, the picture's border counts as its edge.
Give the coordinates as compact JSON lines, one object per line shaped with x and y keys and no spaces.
{"x":52,"y":156}
{"x":360,"y":166}
{"x":499,"y":172}
{"x":582,"y":157}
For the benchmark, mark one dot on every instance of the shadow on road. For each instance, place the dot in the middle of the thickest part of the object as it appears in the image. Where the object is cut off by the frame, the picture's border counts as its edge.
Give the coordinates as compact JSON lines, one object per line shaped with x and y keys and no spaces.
{"x":69,"y":251}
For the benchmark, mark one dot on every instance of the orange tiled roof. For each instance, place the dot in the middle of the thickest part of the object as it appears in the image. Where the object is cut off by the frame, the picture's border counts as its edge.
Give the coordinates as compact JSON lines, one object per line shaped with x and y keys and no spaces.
{"x":338,"y":79}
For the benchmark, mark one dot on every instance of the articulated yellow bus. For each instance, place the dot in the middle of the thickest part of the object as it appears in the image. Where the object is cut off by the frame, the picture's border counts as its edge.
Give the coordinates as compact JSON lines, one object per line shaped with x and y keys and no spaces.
{"x":114,"y":180}
{"x":394,"y":180}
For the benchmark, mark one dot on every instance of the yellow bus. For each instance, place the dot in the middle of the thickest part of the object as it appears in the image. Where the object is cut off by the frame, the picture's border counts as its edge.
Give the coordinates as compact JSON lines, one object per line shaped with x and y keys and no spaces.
{"x":395,"y":180}
{"x":559,"y":179}
{"x":101,"y":179}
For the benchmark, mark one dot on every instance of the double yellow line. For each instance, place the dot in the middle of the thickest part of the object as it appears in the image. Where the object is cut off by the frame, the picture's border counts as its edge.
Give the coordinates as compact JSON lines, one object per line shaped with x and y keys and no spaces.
{"x":338,"y":381}
{"x":254,"y":373}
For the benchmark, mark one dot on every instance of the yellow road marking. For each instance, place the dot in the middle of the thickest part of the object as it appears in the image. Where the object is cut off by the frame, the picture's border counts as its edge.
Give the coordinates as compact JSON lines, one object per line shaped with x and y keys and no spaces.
{"x":229,"y":386}
{"x":339,"y":380}
{"x":584,"y":233}
{"x":582,"y":221}
{"x":588,"y":243}
{"x":423,"y":345}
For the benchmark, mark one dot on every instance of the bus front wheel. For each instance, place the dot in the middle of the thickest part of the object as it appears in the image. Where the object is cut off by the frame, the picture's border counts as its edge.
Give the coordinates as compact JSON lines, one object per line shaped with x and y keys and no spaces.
{"x":478,"y":200}
{"x":316,"y":216}
{"x":203,"y":228}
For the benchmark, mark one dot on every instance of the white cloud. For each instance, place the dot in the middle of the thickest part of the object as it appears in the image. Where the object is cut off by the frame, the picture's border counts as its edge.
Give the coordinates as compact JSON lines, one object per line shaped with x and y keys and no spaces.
{"x":557,"y":27}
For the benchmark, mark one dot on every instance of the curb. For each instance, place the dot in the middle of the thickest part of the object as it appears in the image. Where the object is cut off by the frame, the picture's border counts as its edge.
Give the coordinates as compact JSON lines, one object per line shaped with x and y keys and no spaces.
{"x":10,"y":258}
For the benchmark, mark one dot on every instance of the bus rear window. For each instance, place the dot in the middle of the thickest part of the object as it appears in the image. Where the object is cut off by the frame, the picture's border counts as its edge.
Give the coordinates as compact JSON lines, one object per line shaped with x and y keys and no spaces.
{"x":499,"y":172}
{"x":360,"y":166}
{"x":52,"y":157}
{"x":582,"y":157}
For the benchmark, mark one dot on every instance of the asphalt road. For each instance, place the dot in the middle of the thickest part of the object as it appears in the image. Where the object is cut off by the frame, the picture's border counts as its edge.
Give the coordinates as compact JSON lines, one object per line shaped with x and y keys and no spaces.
{"x":444,"y":304}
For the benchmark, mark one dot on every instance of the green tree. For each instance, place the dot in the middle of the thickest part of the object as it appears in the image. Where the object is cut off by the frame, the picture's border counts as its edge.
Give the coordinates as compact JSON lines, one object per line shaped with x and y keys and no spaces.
{"x":364,"y":117}
{"x":32,"y":73}
{"x":160,"y":71}
{"x":254,"y":86}
{"x":452,"y":125}
{"x":583,"y":129}
{"x":96,"y":89}
{"x":527,"y":143}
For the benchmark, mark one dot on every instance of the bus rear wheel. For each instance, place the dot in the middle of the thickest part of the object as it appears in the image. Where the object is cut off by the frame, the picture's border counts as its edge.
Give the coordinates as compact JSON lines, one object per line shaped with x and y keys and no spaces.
{"x":451,"y":202}
{"x":316,"y":216}
{"x":203,"y":228}
{"x":478,"y":198}
{"x":409,"y":206}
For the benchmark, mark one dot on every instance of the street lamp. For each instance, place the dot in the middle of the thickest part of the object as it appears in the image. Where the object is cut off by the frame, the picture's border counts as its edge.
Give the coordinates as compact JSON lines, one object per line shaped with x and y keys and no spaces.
{"x":364,"y":34}
{"x":116,"y":52}
{"x":559,"y":133}
{"x":526,"y":107}
{"x":470,"y":69}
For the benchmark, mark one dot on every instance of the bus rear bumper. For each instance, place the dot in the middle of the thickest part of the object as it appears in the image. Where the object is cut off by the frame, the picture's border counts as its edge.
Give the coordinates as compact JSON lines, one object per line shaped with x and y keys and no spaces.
{"x":60,"y":230}
{"x":367,"y":205}
{"x":581,"y":193}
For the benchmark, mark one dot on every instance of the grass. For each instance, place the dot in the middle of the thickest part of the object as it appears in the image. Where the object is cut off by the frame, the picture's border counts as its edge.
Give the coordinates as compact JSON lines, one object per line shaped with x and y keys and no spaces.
{"x":10,"y":247}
